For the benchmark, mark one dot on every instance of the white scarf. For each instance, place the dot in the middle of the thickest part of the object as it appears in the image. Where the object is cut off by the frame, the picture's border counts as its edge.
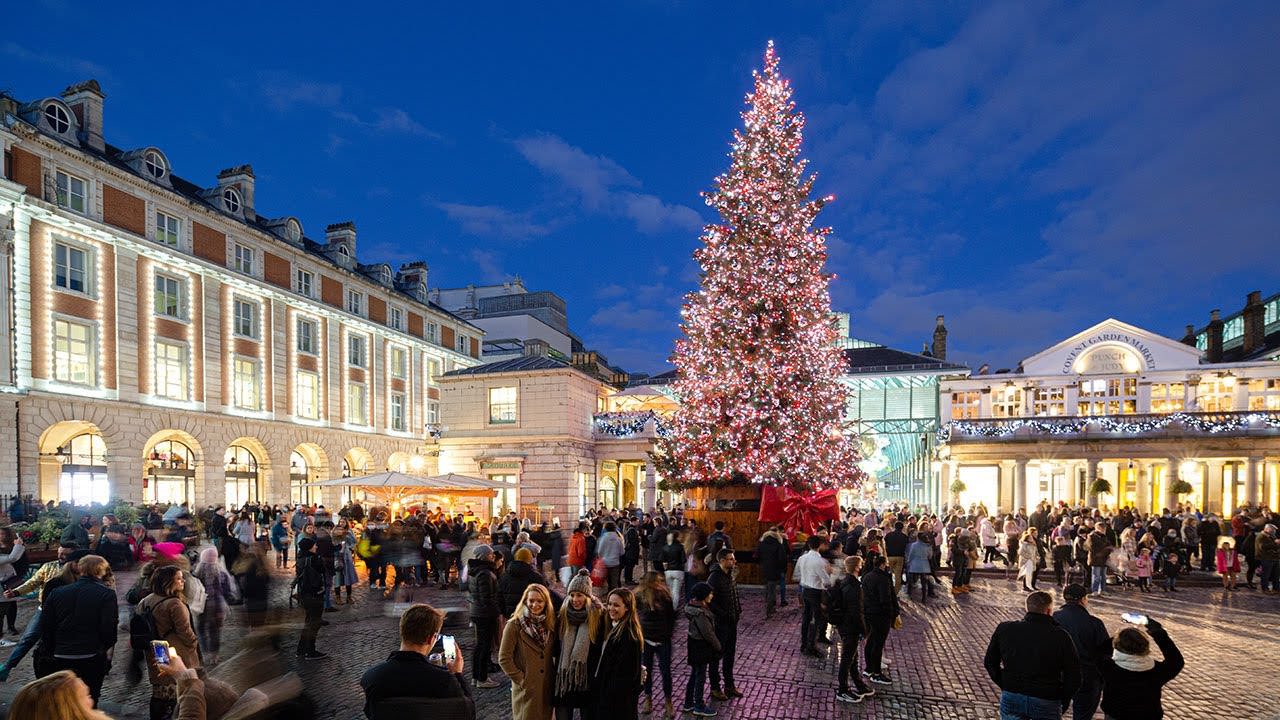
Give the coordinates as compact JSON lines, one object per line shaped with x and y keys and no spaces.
{"x":1135,"y":663}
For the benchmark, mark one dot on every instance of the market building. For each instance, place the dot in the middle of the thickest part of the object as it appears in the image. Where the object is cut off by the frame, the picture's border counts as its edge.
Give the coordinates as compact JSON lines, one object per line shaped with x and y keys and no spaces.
{"x":1131,"y":407}
{"x":171,"y":344}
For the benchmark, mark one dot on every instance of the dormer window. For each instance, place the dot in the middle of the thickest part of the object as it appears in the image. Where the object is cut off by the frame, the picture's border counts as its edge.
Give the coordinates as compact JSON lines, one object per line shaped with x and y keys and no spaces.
{"x":57,"y":117}
{"x":155,"y":165}
{"x":343,"y":251}
{"x":293,"y":231}
{"x":231,"y":200}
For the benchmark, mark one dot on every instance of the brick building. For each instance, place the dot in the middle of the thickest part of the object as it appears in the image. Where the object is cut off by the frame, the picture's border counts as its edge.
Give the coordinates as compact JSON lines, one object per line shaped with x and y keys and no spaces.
{"x":168,"y":343}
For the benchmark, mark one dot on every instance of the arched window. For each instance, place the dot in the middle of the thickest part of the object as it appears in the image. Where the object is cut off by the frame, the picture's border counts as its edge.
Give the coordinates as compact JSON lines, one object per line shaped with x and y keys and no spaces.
{"x":155,"y":164}
{"x":299,"y":476}
{"x":608,"y":493}
{"x":82,"y":479}
{"x":170,"y":473}
{"x":57,"y":117}
{"x":231,"y":200}
{"x":241,"y":469}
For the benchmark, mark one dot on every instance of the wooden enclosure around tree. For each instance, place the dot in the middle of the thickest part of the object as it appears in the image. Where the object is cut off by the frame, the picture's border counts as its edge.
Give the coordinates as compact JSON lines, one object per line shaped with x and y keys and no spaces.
{"x":739,"y":507}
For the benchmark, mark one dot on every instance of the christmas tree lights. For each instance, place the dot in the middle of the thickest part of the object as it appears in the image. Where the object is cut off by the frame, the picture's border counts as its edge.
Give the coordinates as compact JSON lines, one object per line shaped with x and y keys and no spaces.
{"x":758,"y":366}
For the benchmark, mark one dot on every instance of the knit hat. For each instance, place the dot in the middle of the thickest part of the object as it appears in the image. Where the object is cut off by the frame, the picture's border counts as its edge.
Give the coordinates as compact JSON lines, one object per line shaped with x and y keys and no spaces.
{"x":306,"y":544}
{"x":481,"y":552}
{"x":581,"y":583}
{"x":524,"y":555}
{"x":700,"y":592}
{"x":1074,"y":592}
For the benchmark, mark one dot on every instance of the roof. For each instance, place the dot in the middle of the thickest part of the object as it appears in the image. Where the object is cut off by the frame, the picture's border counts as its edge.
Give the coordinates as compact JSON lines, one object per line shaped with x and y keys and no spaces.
{"x":881,"y":359}
{"x":525,"y":363}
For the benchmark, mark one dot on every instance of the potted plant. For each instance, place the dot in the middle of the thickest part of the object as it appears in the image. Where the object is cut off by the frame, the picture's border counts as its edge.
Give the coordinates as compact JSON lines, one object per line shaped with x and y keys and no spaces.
{"x":1100,"y":486}
{"x":957,"y":487}
{"x":1180,"y":487}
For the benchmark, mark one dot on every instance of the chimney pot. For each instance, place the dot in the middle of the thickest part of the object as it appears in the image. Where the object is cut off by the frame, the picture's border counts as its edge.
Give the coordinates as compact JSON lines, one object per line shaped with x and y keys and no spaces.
{"x":1213,"y":344}
{"x":1254,"y":318}
{"x":86,"y":100}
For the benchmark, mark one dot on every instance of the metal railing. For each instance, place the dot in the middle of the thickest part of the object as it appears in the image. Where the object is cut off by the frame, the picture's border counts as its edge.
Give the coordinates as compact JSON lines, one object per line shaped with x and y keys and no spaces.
{"x":1245,"y":422}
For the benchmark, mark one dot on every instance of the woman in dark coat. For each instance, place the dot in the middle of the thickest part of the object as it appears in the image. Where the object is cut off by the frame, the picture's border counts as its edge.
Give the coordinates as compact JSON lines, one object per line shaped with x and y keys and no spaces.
{"x":658,"y":623}
{"x":615,"y":659}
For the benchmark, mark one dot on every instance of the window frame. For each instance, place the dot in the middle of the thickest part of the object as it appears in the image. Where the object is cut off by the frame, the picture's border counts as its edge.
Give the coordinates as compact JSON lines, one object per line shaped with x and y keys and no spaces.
{"x":153,"y":161}
{"x":237,"y":387}
{"x":232,"y":200}
{"x":184,"y":369}
{"x":181,"y":296}
{"x":242,"y":262}
{"x":433,"y":332}
{"x":401,"y":423}
{"x":89,"y":270}
{"x":498,"y":408}
{"x":90,"y":361}
{"x":358,"y":359}
{"x":362,"y":405}
{"x":395,"y":317}
{"x":256,"y":308}
{"x":159,"y":234}
{"x":314,"y":325}
{"x":62,"y":194}
{"x":54,"y":115}
{"x":312,"y":398}
{"x":304,"y":282}
{"x":355,"y":302}
{"x":403,"y":372}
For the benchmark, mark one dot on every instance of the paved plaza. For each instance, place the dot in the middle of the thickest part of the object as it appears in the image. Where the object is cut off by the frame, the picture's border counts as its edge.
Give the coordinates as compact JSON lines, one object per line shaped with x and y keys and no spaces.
{"x":936,"y":657}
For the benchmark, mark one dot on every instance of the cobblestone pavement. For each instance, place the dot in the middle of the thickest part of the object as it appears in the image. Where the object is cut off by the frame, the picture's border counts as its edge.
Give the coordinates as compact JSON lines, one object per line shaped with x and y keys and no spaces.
{"x":936,"y":657}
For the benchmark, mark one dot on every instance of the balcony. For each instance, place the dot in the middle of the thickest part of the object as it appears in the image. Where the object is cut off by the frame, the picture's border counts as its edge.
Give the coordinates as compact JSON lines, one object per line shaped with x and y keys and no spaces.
{"x":1181,"y":424}
{"x":639,"y":424}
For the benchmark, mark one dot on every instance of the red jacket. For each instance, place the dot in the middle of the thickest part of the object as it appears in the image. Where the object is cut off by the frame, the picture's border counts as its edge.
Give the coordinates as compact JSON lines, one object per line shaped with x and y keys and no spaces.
{"x":578,"y":549}
{"x":1228,"y":561}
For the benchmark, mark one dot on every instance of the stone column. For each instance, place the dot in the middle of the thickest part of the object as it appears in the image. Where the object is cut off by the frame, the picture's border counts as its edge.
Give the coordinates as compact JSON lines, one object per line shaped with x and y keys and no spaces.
{"x":1144,"y":486}
{"x":1172,"y":474}
{"x":1091,"y":474}
{"x":1019,"y":485}
{"x":1213,"y":487}
{"x":946,"y":474}
{"x":1252,"y":494}
{"x":1004,"y":489}
{"x":650,"y":487}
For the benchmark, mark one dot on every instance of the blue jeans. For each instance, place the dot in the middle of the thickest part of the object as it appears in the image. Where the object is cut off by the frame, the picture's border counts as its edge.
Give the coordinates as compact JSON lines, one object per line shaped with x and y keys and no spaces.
{"x":1015,"y":706}
{"x":697,"y":681}
{"x":30,"y":636}
{"x":1099,"y":578}
{"x":663,"y":653}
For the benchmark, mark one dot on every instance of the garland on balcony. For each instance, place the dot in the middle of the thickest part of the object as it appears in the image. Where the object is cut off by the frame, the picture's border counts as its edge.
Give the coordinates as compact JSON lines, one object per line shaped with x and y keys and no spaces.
{"x":1069,"y":426}
{"x":628,"y":424}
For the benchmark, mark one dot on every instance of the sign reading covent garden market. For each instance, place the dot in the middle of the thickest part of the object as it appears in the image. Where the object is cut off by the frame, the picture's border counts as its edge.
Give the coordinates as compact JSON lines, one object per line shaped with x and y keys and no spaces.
{"x":1111,"y":348}
{"x":1099,"y":355}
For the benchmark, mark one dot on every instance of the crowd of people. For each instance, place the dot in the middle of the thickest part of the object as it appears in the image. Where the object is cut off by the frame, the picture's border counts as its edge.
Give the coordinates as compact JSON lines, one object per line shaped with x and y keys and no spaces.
{"x":585,"y":622}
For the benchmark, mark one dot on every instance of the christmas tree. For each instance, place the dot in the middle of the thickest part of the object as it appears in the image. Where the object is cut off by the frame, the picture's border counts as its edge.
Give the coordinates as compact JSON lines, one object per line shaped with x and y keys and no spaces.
{"x":758,"y":367}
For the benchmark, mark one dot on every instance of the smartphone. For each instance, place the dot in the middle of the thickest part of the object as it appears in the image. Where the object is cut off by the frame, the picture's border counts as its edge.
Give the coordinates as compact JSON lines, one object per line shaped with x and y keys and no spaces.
{"x":450,"y":648}
{"x":161,"y":650}
{"x":1134,"y":618}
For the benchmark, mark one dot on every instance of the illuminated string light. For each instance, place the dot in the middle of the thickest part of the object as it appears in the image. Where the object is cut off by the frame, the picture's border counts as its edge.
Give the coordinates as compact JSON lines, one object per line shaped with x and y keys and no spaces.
{"x":1212,"y":424}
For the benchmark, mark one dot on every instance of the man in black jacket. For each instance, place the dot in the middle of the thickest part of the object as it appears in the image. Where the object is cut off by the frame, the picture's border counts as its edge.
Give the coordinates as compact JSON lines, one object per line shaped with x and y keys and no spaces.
{"x":727,"y":607}
{"x":630,"y":550}
{"x":1091,"y":641}
{"x":895,"y":548}
{"x":482,"y":582}
{"x":309,"y":583}
{"x":78,"y":626}
{"x":771,"y":552}
{"x":852,"y":626}
{"x":1033,"y":661}
{"x":519,"y":575}
{"x":657,"y":541}
{"x":407,"y":673}
{"x":880,"y":608}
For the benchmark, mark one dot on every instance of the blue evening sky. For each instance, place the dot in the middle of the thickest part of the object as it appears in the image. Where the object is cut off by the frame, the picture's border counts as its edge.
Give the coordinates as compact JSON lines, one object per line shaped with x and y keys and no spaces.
{"x":1024,"y":168}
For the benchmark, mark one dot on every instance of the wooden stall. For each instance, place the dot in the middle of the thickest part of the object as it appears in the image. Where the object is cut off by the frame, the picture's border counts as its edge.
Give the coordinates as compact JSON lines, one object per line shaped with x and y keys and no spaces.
{"x":739,"y":507}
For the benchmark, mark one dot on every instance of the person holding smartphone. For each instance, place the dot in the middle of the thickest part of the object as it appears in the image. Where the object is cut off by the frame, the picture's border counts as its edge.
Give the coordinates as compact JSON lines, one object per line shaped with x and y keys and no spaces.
{"x":1132,"y":679}
{"x":409,"y":675}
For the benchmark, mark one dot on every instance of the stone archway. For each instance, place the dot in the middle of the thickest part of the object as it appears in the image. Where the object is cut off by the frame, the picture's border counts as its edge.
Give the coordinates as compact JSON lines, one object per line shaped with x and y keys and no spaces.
{"x":308,"y":463}
{"x":247,"y":472}
{"x":173,"y":468}
{"x":72,"y":463}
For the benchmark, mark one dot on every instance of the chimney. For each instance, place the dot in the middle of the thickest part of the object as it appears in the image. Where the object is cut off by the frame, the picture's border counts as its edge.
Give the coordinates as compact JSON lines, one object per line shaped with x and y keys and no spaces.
{"x":85,"y":100}
{"x":239,"y":177}
{"x":940,"y":340}
{"x":412,"y":279}
{"x":340,"y":243}
{"x":1255,"y":318}
{"x":536,"y":347}
{"x":1190,"y":337}
{"x":1213,"y":348}
{"x":926,"y":351}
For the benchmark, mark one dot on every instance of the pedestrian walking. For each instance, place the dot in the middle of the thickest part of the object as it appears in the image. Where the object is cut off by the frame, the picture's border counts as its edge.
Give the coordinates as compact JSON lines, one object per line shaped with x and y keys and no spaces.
{"x":1092,"y":643}
{"x":220,"y":590}
{"x":1033,"y":662}
{"x":771,"y":553}
{"x":726,"y":605}
{"x":852,"y":625}
{"x":920,"y":565}
{"x":657,"y":611}
{"x":1267,"y":552}
{"x":1228,"y":565}
{"x":702,"y":648}
{"x":526,"y":654}
{"x":880,"y":608}
{"x":482,"y":584}
{"x":78,"y":625}
{"x":173,"y":623}
{"x":308,"y":584}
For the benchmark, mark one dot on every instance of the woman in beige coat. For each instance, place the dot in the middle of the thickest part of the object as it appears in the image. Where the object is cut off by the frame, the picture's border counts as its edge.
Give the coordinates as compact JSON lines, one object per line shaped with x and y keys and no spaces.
{"x":172,"y":620}
{"x":526,"y":655}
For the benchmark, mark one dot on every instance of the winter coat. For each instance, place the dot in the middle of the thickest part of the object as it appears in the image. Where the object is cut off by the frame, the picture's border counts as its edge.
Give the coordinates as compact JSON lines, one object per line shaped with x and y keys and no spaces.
{"x":657,"y":623}
{"x":172,"y":619}
{"x":578,"y":550}
{"x":1098,"y":548}
{"x":657,"y":540}
{"x":987,"y":532}
{"x":725,"y":603}
{"x":879,"y":600}
{"x":1266,"y":548}
{"x":673,"y":556}
{"x":531,"y":668}
{"x":1087,"y":632}
{"x":919,"y":558}
{"x":631,"y":545}
{"x":771,"y":553}
{"x":511,"y":586}
{"x":1143,"y":566}
{"x":609,"y":548}
{"x":1135,"y":695}
{"x":703,"y":645}
{"x":614,"y":675}
{"x":1228,"y":561}
{"x":854,"y":623}
{"x":482,"y":583}
{"x":1033,"y":656}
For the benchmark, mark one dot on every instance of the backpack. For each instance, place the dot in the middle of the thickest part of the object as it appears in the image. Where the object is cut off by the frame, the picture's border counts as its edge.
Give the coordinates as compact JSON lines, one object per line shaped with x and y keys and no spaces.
{"x":835,"y":604}
{"x":142,"y":628}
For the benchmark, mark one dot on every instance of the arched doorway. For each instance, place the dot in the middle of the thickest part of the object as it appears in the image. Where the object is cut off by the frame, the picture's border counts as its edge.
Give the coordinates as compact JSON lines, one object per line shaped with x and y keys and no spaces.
{"x":169,"y":473}
{"x":243,"y":472}
{"x":608,"y":493}
{"x":307,"y":464}
{"x":81,"y":468}
{"x":356,"y":463}
{"x":399,"y":462}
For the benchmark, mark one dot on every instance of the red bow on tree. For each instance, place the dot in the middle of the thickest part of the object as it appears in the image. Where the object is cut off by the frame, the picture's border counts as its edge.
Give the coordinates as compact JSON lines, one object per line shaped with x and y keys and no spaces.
{"x":798,"y":512}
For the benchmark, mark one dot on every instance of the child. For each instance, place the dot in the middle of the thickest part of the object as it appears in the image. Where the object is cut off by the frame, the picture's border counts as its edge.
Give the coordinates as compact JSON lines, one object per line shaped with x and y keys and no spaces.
{"x":703,"y":648}
{"x":1143,"y":565}
{"x":1228,"y":565}
{"x":1062,"y":553}
{"x":1172,"y":566}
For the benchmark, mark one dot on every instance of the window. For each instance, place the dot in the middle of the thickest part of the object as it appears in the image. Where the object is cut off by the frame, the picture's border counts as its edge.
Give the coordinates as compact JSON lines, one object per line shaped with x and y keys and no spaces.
{"x":70,"y":192}
{"x":1264,"y":394}
{"x":965,"y":405}
{"x":84,"y":479}
{"x":167,"y":230}
{"x":1006,"y":401}
{"x":169,"y":292}
{"x":399,"y":363}
{"x":304,"y":283}
{"x":464,"y":344}
{"x":57,"y":117}
{"x":246,"y":384}
{"x":245,"y":318}
{"x":357,"y":404}
{"x":244,"y":259}
{"x":1216,"y":394}
{"x":1117,"y":396}
{"x":1050,"y":401}
{"x":293,"y":231}
{"x":171,"y":370}
{"x":343,"y":251}
{"x":71,"y":268}
{"x":395,"y":317}
{"x":231,"y":200}
{"x":1168,"y":397}
{"x":433,"y":331}
{"x":433,"y":371}
{"x":155,"y":164}
{"x":433,"y":412}
{"x":502,"y":405}
{"x":398,"y":422}
{"x":355,"y":302}
{"x":306,"y":389}
{"x":356,"y":355}
{"x":74,"y":354}
{"x":308,"y":336}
